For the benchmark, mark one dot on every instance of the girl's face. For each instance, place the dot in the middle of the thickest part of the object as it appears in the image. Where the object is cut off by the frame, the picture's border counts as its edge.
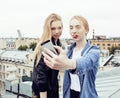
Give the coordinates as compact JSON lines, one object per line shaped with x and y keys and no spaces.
{"x":77,"y":30}
{"x":56,"y":29}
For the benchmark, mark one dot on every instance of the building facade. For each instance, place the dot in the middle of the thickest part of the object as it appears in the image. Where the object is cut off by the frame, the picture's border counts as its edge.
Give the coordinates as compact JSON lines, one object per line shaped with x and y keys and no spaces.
{"x":14,"y":60}
{"x":105,"y":43}
{"x":14,"y":43}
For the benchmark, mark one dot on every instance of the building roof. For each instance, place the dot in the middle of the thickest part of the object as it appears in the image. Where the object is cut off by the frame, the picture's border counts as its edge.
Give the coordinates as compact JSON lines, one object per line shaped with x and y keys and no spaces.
{"x":108,"y":83}
{"x":15,"y":54}
{"x":1,"y":51}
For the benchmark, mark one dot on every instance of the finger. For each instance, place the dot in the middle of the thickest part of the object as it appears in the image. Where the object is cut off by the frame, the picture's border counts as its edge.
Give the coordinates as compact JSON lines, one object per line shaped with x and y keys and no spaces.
{"x":59,"y":49}
{"x":48,"y":57}
{"x":48,"y":63}
{"x":49,"y":52}
{"x":51,"y":61}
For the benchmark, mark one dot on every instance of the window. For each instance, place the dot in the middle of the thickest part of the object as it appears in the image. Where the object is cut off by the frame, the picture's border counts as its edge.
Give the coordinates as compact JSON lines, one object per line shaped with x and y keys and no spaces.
{"x":19,"y":70}
{"x":3,"y":67}
{"x":108,"y":44}
{"x":24,"y":72}
{"x":103,"y":44}
{"x":30,"y":73}
{"x":98,"y":44}
{"x":0,"y":67}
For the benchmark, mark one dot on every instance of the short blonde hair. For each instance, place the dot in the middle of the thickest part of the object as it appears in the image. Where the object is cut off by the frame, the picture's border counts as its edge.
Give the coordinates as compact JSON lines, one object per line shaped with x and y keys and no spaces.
{"x":84,"y":21}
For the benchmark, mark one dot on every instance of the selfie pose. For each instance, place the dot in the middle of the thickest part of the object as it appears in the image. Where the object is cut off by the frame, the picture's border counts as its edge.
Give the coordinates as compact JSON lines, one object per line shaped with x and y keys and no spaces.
{"x":45,"y":80}
{"x":81,"y":63}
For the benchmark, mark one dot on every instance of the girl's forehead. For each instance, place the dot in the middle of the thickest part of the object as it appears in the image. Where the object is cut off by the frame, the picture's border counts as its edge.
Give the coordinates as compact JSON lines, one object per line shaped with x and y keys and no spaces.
{"x":75,"y":22}
{"x":54,"y":23}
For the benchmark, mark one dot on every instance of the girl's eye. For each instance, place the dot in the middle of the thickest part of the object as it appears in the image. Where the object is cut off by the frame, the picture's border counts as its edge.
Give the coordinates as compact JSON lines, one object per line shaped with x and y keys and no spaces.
{"x":78,"y":27}
{"x":53,"y":28}
{"x":71,"y":27}
{"x":59,"y":28}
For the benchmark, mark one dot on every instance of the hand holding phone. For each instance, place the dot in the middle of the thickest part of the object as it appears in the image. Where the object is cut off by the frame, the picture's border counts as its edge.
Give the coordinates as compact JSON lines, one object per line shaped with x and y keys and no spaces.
{"x":48,"y":44}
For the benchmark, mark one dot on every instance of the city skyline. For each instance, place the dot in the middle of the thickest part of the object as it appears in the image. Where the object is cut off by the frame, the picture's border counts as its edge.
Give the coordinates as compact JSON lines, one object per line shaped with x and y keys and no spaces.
{"x":29,"y":15}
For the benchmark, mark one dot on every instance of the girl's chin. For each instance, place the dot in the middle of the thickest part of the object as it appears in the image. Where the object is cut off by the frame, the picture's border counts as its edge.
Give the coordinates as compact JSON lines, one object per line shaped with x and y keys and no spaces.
{"x":55,"y":38}
{"x":75,"y":38}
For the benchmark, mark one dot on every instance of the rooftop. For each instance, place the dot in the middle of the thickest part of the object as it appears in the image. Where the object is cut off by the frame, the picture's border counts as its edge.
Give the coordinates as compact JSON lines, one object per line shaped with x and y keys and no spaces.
{"x":107,"y":84}
{"x":15,"y":54}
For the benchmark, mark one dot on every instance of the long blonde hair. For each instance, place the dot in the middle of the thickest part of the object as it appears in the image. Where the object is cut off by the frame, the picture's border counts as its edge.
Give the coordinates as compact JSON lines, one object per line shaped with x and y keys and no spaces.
{"x":47,"y":34}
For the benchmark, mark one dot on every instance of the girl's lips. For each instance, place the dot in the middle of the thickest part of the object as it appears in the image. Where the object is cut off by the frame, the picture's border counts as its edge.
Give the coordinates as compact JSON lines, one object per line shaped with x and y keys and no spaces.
{"x":75,"y":36}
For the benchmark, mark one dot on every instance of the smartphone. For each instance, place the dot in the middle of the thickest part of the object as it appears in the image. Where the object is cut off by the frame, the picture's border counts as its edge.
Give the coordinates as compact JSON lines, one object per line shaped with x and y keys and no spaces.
{"x":48,"y":44}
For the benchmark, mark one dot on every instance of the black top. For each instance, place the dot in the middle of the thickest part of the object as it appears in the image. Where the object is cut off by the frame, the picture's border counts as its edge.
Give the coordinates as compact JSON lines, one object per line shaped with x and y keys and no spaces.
{"x":45,"y":79}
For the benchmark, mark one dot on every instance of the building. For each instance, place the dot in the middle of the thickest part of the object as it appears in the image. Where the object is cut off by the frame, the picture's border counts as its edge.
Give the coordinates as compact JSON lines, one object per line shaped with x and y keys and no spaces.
{"x":19,"y":62}
{"x":14,"y":43}
{"x":105,"y":43}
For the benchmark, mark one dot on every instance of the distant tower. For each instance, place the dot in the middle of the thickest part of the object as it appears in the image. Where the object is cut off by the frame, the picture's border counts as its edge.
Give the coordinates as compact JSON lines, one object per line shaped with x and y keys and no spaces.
{"x":93,"y":34}
{"x":19,"y":34}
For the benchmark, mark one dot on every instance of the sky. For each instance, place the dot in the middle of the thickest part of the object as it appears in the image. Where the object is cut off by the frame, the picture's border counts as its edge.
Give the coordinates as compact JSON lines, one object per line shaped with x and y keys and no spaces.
{"x":28,"y":16}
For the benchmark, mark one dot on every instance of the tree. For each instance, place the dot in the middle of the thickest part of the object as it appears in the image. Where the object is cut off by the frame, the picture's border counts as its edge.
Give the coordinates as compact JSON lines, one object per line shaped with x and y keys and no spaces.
{"x":113,"y":48}
{"x":23,"y":47}
{"x":33,"y":45}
